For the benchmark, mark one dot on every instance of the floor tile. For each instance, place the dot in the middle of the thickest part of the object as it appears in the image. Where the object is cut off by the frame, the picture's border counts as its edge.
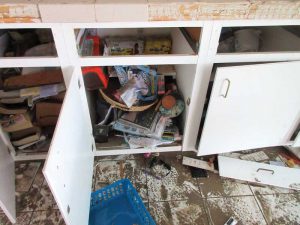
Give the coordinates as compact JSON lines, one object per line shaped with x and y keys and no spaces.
{"x":22,"y":219}
{"x":175,"y":199}
{"x":39,"y":177}
{"x":26,"y":201}
{"x":94,"y":178}
{"x":281,"y":209}
{"x":186,"y":212}
{"x":178,"y":185}
{"x":100,"y":185}
{"x":49,"y":217}
{"x":108,"y":172}
{"x":269,"y":190}
{"x":45,"y":199}
{"x":25,"y":173}
{"x":135,"y":171}
{"x":216,"y":186}
{"x":243,"y":208}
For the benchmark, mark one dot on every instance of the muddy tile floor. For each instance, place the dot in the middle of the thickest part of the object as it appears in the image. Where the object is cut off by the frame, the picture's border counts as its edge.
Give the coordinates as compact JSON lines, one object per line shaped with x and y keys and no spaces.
{"x":172,"y":199}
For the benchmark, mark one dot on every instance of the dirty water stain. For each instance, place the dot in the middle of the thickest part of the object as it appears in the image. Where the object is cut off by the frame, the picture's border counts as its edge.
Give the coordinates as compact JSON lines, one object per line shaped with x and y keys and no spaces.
{"x":164,"y":192}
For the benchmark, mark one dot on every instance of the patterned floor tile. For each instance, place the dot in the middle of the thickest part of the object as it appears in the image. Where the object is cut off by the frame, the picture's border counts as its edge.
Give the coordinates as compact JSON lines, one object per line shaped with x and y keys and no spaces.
{"x":269,"y":190}
{"x":281,"y":209}
{"x":39,"y":177}
{"x":100,"y":185}
{"x":177,"y":185}
{"x":49,"y":217}
{"x":243,"y":208}
{"x":175,"y":199}
{"x":26,"y":201}
{"x":135,"y":171}
{"x":186,"y":212}
{"x":216,"y":186}
{"x":25,"y":173}
{"x":108,"y":172}
{"x":22,"y":219}
{"x":45,"y":199}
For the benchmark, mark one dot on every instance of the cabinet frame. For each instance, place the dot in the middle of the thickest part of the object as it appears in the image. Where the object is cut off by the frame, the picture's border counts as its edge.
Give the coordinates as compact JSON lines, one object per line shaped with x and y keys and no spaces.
{"x":65,"y":42}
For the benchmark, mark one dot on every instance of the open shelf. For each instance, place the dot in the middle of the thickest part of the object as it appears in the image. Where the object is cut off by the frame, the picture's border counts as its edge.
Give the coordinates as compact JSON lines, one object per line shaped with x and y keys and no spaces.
{"x":259,"y":39}
{"x":184,"y":46}
{"x":30,"y":100}
{"x":27,"y":43}
{"x":116,"y":143}
{"x":27,"y":48}
{"x":237,"y":44}
{"x":117,"y":146}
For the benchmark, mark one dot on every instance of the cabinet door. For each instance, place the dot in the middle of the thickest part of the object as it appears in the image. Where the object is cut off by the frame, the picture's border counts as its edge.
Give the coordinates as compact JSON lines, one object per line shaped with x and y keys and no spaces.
{"x":7,"y":183}
{"x":252,"y":106}
{"x":69,"y":165}
{"x":296,"y":143}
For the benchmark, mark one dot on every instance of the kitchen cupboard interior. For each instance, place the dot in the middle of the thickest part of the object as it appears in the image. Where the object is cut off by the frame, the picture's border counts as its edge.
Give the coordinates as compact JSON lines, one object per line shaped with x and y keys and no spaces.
{"x":30,"y":99}
{"x":238,"y":91}
{"x":27,"y":42}
{"x":182,"y":75}
{"x":261,"y":39}
{"x":183,"y":40}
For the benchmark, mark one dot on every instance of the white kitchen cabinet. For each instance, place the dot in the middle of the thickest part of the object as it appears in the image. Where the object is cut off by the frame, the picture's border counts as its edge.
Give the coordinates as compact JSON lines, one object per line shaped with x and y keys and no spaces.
{"x":7,"y":184}
{"x":69,"y":165}
{"x":251,"y":106}
{"x":261,"y":173}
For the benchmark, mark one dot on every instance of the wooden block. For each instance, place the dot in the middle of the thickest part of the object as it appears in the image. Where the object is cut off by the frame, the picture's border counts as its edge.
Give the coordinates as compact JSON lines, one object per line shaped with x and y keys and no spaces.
{"x":118,"y":10}
{"x":71,"y":11}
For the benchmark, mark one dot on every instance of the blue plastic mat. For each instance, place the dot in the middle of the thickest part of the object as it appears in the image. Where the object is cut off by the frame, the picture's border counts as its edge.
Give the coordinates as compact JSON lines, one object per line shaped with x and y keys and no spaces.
{"x":118,"y":204}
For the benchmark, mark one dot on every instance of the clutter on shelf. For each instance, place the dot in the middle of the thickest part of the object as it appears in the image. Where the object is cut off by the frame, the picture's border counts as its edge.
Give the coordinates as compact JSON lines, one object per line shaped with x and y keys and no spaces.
{"x":26,"y":42}
{"x":30,"y":102}
{"x":89,"y":43}
{"x":240,"y":40}
{"x":139,"y":103}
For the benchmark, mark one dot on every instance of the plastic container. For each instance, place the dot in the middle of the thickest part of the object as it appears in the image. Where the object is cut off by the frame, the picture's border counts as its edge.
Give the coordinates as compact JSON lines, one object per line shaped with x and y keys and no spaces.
{"x":118,"y":204}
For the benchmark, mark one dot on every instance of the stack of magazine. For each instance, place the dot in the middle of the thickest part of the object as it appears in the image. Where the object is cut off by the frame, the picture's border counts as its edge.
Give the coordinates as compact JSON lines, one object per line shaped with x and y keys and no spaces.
{"x":139,"y":123}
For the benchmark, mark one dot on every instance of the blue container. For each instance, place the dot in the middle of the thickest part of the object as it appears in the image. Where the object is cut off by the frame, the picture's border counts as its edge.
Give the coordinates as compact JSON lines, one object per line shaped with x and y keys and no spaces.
{"x":118,"y":204}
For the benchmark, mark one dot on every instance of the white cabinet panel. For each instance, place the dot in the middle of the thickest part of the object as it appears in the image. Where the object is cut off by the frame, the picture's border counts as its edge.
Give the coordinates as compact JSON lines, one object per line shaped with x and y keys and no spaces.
{"x":7,"y":183}
{"x":69,"y":165}
{"x":279,"y":176}
{"x":252,"y":106}
{"x":297,"y":141}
